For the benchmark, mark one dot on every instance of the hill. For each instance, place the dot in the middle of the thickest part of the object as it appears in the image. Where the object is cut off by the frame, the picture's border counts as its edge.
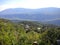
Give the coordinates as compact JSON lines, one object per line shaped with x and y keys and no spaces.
{"x":41,"y":15}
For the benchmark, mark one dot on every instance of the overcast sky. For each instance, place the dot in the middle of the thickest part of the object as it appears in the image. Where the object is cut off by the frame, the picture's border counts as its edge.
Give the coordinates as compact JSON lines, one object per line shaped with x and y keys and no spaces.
{"x":32,"y":4}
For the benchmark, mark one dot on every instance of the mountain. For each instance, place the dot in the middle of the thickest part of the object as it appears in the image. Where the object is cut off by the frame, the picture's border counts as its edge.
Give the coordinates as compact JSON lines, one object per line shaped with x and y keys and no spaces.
{"x":42,"y":14}
{"x":54,"y":22}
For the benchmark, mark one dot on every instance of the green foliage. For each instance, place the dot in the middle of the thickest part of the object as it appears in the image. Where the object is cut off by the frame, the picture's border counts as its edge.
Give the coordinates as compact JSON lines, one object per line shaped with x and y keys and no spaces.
{"x":15,"y":33}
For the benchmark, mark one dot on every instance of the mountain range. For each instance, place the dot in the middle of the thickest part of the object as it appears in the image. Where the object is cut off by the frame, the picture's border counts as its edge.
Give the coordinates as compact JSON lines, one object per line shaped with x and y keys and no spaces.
{"x":50,"y":14}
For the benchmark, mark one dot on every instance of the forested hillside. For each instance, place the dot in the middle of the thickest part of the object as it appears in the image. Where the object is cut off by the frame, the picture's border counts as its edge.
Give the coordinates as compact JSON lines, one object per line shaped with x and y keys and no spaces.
{"x":27,"y":32}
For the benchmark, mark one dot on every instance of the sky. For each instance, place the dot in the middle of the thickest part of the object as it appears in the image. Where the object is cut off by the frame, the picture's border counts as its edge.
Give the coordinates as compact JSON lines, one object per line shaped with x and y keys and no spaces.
{"x":31,"y":4}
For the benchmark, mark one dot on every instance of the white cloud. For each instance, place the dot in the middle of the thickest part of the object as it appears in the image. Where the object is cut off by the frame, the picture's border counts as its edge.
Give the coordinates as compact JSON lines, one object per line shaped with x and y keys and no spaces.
{"x":31,"y":4}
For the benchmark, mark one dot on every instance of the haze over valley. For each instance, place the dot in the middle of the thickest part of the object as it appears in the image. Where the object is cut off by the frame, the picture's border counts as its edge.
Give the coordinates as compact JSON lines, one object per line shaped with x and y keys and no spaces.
{"x":48,"y":15}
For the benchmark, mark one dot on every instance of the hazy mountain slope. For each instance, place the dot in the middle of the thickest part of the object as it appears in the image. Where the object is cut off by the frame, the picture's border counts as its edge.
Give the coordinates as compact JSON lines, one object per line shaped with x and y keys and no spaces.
{"x":42,"y":14}
{"x":55,"y":22}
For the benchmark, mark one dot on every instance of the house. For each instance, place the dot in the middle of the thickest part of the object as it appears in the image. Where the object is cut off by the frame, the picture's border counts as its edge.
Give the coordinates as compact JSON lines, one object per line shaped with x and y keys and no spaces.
{"x":58,"y":42}
{"x":27,"y":28}
{"x":35,"y":43}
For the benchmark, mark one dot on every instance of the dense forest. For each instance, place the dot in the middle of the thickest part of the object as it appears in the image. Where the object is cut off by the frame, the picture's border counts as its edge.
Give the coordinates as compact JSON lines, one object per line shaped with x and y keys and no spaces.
{"x":28,"y":32}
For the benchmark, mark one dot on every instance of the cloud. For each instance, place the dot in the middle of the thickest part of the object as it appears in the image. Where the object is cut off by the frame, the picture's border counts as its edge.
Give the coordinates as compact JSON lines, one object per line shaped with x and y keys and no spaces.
{"x":33,"y":4}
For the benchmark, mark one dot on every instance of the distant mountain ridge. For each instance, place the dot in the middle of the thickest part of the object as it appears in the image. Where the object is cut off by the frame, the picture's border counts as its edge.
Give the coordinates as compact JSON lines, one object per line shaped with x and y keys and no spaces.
{"x":42,"y":14}
{"x":46,"y":11}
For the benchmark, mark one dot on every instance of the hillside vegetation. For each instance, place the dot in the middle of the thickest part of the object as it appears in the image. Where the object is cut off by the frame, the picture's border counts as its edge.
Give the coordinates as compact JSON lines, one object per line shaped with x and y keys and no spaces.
{"x":28,"y":32}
